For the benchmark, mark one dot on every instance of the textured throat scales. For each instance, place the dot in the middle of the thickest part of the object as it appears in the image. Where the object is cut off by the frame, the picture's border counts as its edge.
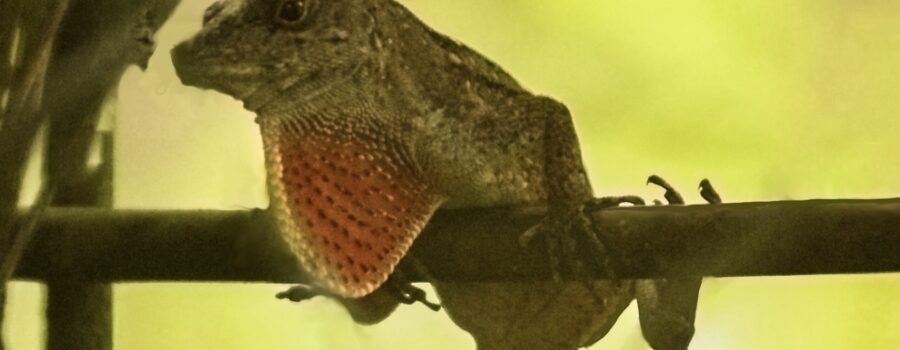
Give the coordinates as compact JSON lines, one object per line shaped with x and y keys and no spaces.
{"x":347,"y":208}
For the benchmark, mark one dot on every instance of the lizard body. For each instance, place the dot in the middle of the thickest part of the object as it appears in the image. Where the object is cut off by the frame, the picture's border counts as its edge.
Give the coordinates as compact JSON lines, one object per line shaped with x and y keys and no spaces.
{"x":371,"y":121}
{"x":367,"y":131}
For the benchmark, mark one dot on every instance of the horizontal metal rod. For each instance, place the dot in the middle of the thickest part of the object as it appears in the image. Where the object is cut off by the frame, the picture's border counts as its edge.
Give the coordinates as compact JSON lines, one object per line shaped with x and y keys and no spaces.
{"x":481,"y":244}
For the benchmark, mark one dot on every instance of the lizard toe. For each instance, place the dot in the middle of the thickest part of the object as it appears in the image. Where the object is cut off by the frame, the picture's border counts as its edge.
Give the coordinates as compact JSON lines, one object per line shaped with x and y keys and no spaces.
{"x":300,"y":293}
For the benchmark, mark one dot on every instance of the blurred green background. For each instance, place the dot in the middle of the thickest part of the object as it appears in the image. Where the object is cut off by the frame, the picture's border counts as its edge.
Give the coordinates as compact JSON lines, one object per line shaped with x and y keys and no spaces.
{"x":769,"y":99}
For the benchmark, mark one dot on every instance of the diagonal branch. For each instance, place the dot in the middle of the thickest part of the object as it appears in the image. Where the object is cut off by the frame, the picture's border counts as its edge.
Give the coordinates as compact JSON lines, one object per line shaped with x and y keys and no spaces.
{"x":745,"y":239}
{"x":20,"y":122}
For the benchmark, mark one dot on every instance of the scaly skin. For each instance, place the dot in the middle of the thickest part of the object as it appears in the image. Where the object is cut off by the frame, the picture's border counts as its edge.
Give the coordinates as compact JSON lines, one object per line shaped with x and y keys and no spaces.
{"x":350,"y":104}
{"x":371,"y":121}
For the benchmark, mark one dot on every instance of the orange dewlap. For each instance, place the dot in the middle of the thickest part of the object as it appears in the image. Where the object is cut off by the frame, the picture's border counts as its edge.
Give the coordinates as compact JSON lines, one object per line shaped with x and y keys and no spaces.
{"x":348,"y":211}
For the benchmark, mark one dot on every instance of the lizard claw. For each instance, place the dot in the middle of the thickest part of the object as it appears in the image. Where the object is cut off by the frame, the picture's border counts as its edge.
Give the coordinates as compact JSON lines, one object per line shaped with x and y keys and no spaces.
{"x":672,"y":195}
{"x":709,"y":193}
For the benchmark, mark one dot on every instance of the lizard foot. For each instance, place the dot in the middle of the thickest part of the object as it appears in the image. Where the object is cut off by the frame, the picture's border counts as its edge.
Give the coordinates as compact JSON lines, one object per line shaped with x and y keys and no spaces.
{"x":403,"y":291}
{"x":565,"y":229}
{"x":301,"y":292}
{"x":368,"y":310}
{"x":397,"y":286}
{"x":408,"y":294}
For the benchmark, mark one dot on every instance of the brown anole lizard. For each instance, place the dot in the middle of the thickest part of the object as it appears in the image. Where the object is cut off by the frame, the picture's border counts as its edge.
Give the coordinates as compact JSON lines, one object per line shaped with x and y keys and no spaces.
{"x":371,"y":121}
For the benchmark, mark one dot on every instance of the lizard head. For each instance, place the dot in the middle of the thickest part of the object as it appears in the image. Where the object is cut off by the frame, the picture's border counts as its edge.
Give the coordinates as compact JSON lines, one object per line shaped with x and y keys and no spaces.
{"x":265,"y":51}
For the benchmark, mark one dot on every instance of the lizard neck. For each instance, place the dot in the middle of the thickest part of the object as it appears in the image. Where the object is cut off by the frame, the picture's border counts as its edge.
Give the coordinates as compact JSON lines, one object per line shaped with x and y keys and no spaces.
{"x":342,"y":115}
{"x":303,"y":95}
{"x":372,"y":99}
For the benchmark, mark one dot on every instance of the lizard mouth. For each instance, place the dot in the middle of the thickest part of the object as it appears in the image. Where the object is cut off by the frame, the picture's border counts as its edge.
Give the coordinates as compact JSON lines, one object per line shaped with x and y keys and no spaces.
{"x":186,"y":72}
{"x":262,"y":90}
{"x":200,"y":73}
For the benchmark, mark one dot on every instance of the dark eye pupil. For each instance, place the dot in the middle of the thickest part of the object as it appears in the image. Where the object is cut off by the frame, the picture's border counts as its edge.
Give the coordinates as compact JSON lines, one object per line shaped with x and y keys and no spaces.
{"x":292,"y":11}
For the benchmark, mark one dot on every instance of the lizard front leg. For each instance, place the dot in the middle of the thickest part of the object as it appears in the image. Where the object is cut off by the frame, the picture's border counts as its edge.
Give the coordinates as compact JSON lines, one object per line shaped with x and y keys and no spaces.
{"x":568,"y":194}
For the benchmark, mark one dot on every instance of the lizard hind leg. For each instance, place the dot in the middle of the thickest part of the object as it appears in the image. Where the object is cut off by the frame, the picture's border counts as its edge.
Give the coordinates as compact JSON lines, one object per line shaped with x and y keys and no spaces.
{"x":566,"y":227}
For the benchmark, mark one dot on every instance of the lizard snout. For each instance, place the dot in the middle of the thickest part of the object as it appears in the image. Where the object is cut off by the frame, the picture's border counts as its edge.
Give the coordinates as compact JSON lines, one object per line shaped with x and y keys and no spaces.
{"x":183,"y":58}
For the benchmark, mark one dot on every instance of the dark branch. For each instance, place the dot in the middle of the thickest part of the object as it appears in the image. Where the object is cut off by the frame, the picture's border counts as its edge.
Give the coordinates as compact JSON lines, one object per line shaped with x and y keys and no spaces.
{"x":747,"y":239}
{"x":20,"y":122}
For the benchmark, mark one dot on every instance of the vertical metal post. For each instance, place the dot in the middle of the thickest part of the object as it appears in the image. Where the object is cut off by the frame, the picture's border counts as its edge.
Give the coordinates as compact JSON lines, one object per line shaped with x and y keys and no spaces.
{"x":79,"y":315}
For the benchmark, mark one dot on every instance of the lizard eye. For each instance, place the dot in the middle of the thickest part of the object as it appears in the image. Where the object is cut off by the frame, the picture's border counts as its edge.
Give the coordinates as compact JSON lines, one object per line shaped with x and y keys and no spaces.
{"x":293,"y":12}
